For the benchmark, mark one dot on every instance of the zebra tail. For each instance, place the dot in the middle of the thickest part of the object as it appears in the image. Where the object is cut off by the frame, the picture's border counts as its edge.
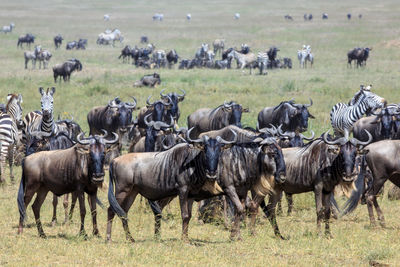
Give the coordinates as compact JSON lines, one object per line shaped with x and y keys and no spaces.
{"x":21,"y":195}
{"x":111,"y":196}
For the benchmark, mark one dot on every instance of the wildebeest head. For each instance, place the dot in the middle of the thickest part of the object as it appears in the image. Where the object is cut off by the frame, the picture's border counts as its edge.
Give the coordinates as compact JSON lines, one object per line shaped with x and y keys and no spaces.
{"x":69,"y":126}
{"x":346,"y":151}
{"x":212,"y":149}
{"x":302,"y":116}
{"x":47,"y":102}
{"x":158,"y":107}
{"x":174,"y":99}
{"x":272,"y":158}
{"x":153,"y":130}
{"x":387,"y":120}
{"x":121,"y":113}
{"x":235,"y":111}
{"x":293,"y":139}
{"x":285,"y":112}
{"x":95,"y":147}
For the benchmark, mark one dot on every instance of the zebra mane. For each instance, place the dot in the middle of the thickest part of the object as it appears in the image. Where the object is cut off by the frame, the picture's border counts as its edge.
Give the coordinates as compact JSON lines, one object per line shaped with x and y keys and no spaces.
{"x":10,"y":98}
{"x":357,"y":98}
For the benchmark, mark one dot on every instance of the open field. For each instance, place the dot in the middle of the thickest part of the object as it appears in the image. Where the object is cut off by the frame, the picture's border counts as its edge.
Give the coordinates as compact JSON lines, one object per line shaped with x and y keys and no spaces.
{"x":104,"y":77}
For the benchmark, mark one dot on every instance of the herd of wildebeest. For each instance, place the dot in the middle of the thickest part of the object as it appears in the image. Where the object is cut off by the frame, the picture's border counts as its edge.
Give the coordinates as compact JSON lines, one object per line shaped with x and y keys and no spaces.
{"x":214,"y":158}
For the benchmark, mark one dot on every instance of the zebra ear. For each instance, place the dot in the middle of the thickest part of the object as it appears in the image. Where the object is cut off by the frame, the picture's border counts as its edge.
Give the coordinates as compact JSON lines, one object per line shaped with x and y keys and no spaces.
{"x":9,"y":97}
{"x":53,"y":90}
{"x":20,"y":98}
{"x":41,"y":90}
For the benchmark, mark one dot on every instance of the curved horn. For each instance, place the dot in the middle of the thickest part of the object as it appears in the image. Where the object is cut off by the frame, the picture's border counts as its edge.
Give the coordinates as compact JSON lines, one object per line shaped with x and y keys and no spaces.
{"x":148,"y":124}
{"x":308,"y":138}
{"x":309,"y":105}
{"x":112,"y":141}
{"x":80,"y":141}
{"x":271,"y":131}
{"x":148,"y":101}
{"x":222,"y":141}
{"x":191,"y":140}
{"x":184,"y":93}
{"x":357,"y":142}
{"x":161,"y":93}
{"x":163,"y":145}
{"x":39,"y":134}
{"x":169,"y":101}
{"x":105,"y":133}
{"x":160,"y":124}
{"x":340,"y":141}
{"x":268,"y":141}
{"x":133,"y":104}
{"x":285,"y":134}
{"x":228,"y":105}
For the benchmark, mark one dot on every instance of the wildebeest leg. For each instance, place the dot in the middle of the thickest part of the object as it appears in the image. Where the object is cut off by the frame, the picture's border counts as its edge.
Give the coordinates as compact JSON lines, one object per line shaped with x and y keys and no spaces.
{"x":40,"y":197}
{"x":371,"y":200}
{"x":92,"y":204}
{"x":184,"y":203}
{"x":73,"y":202}
{"x":81,"y":198}
{"x":239,"y":209}
{"x":33,"y":63}
{"x":289,"y":199}
{"x":318,"y":206}
{"x":158,"y":215}
{"x":270,"y":212}
{"x":126,"y":205}
{"x":379,"y":212}
{"x":65,"y":204}
{"x":55,"y":202}
{"x":26,"y":63}
{"x":326,"y":202}
{"x":279,"y":204}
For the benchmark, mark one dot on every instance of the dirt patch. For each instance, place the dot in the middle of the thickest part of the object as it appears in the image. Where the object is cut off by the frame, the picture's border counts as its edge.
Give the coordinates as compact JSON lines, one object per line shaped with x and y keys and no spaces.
{"x":392,"y":43}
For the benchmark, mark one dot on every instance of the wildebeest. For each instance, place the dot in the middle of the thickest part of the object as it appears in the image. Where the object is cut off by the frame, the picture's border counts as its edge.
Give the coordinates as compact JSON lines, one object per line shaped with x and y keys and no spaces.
{"x":158,"y":16}
{"x":79,"y":168}
{"x":173,"y":98}
{"x":360,"y":55}
{"x":172,"y":58}
{"x":32,"y":56}
{"x":221,"y":64}
{"x":151,"y":80}
{"x":237,"y":16}
{"x":381,"y":125}
{"x":71,"y":45}
{"x":58,"y":41}
{"x":219,"y":46}
{"x":188,"y":171}
{"x":319,"y":166}
{"x":158,"y":109}
{"x":207,"y":119}
{"x":27,"y":38}
{"x":8,"y":28}
{"x":44,"y":56}
{"x":69,"y":126}
{"x":106,"y":17}
{"x":324,"y":16}
{"x":188,"y":16}
{"x":349,"y":16}
{"x":144,"y":39}
{"x":291,"y":116}
{"x":288,"y":17}
{"x":65,"y":69}
{"x":126,"y":52}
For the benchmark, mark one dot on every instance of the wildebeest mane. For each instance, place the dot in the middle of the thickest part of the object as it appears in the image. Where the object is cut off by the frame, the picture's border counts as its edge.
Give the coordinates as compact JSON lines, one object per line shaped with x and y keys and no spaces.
{"x":291,"y":102}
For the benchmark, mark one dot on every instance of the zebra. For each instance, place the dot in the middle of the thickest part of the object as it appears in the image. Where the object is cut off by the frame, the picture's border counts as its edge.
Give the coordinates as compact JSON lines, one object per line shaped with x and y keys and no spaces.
{"x":219,"y":45}
{"x":41,"y":121}
{"x":9,"y":138}
{"x":202,"y":51}
{"x":305,"y":55}
{"x":262,"y":62}
{"x":43,"y":56}
{"x":188,"y":16}
{"x":343,"y":116}
{"x":244,"y":60}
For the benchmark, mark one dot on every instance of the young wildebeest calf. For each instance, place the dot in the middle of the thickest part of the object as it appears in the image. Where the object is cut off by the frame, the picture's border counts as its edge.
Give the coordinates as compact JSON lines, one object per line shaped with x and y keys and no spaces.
{"x":150,"y":80}
{"x":79,"y":168}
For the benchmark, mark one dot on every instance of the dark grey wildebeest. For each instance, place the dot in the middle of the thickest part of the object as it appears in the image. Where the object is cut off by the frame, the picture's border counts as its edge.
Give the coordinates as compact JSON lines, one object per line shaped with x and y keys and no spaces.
{"x":58,"y":41}
{"x":65,"y":69}
{"x":79,"y":168}
{"x":319,"y":167}
{"x":360,"y":55}
{"x":158,"y":109}
{"x":151,"y":80}
{"x":173,"y":98}
{"x":172,"y":58}
{"x":207,"y":119}
{"x":291,"y":116}
{"x":27,"y":38}
{"x":186,"y":170}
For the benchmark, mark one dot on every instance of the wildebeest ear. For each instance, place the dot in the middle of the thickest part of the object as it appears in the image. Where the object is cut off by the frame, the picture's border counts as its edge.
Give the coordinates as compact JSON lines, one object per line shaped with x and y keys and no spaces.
{"x":362,"y":151}
{"x":82,"y":150}
{"x":246,"y":110}
{"x":41,"y":91}
{"x":311,"y":116}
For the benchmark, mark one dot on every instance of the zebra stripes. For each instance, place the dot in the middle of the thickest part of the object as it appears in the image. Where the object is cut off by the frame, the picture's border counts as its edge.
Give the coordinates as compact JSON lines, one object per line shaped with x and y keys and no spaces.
{"x":262,"y":62}
{"x":9,"y":122}
{"x":344,"y":116}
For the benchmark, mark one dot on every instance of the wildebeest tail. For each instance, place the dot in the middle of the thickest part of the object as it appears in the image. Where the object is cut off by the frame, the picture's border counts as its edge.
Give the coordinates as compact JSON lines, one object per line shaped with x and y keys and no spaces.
{"x":334,"y":203}
{"x":155,"y":207}
{"x":352,"y":203}
{"x":111,"y":197}
{"x":98,"y":201}
{"x":21,"y":195}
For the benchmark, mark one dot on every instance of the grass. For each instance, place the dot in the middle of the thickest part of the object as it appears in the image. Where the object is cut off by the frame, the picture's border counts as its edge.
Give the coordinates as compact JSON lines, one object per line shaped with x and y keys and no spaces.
{"x":104,"y":77}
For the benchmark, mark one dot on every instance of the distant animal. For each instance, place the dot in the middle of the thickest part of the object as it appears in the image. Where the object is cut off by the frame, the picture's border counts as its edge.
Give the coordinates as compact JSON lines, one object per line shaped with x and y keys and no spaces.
{"x":158,"y":109}
{"x":159,"y":57}
{"x":188,"y":16}
{"x":237,"y":16}
{"x":32,"y":56}
{"x":344,"y":116}
{"x":324,"y":16}
{"x":109,"y":37}
{"x":144,"y":39}
{"x":207,"y":119}
{"x":158,"y":16}
{"x":126,"y":53}
{"x":288,"y":17}
{"x":287,"y":63}
{"x":221,"y":64}
{"x":219,"y":46}
{"x":106,"y":17}
{"x":8,"y":28}
{"x":58,"y":41}
{"x":44,"y":57}
{"x":349,"y":16}
{"x":81,"y":44}
{"x":244,"y":48}
{"x":151,"y":80}
{"x":172,"y":58}
{"x":10,"y":121}
{"x":262,"y":62}
{"x":360,"y":55}
{"x":65,"y":69}
{"x":305,"y":55}
{"x":202,"y":51}
{"x":359,"y":16}
{"x":244,"y":60}
{"x":71,"y":45}
{"x":27,"y":38}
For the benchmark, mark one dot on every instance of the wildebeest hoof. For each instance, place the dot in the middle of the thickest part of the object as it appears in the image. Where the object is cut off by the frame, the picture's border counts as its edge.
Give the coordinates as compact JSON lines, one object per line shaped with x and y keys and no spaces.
{"x":328,"y":236}
{"x":83,"y":235}
{"x":130,"y":239}
{"x":42,"y":235}
{"x":53,"y":223}
{"x":283,"y":238}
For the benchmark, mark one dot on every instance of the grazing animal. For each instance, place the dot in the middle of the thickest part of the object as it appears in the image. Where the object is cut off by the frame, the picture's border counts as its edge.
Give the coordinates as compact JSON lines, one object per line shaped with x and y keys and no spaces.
{"x":8,"y":28}
{"x":58,"y":41}
{"x":106,"y":17}
{"x":219,"y":46}
{"x":189,"y":171}
{"x":32,"y":56}
{"x":172,"y":58}
{"x":360,"y":55}
{"x":348,"y":16}
{"x":43,"y":56}
{"x":207,"y":119}
{"x":288,"y":17}
{"x":202,"y":51}
{"x":109,"y":37}
{"x":158,"y":109}
{"x":159,"y":58}
{"x":79,"y":168}
{"x":65,"y":69}
{"x":158,"y":16}
{"x":70,"y":127}
{"x":71,"y":45}
{"x":151,"y":80}
{"x":173,"y":98}
{"x":144,"y":39}
{"x":221,"y":64}
{"x":344,"y":116}
{"x":305,"y":55}
{"x":291,"y":116}
{"x":237,"y":16}
{"x":262,"y":62}
{"x":188,"y":17}
{"x":10,"y":121}
{"x":244,"y":60}
{"x":27,"y":38}
{"x":324,"y":16}
{"x":126,"y":53}
{"x":319,"y":166}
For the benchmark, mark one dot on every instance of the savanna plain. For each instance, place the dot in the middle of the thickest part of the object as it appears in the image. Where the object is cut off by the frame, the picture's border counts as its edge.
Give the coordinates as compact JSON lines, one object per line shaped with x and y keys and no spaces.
{"x":104,"y":77}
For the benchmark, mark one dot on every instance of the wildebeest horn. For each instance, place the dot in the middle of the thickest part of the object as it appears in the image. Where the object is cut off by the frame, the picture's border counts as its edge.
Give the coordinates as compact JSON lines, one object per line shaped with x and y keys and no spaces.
{"x":169,"y":101}
{"x":272,"y":131}
{"x":181,"y":96}
{"x":222,"y":141}
{"x":82,"y":141}
{"x":161,"y":93}
{"x":285,"y":134}
{"x":163,"y":145}
{"x":340,"y":141}
{"x":160,"y":124}
{"x":148,"y":124}
{"x":308,"y":138}
{"x":133,"y":104}
{"x":39,"y":134}
{"x":309,"y":105}
{"x":190,"y":139}
{"x":228,"y":105}
{"x":357,"y":142}
{"x":268,"y":141}
{"x":148,"y":101}
{"x":112,"y":141}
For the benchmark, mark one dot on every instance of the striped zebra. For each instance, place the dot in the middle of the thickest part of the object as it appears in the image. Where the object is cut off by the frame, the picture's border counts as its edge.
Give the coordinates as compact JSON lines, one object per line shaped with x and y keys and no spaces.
{"x":40,"y":121}
{"x":9,"y":138}
{"x":262,"y":62}
{"x":344,"y":116}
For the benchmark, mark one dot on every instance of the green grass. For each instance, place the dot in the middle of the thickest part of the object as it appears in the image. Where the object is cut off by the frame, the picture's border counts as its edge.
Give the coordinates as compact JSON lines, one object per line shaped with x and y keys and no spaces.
{"x":104,"y":77}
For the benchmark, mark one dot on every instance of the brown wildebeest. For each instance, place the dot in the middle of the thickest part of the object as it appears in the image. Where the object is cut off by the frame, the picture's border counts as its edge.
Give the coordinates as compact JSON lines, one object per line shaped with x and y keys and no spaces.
{"x":360,"y":55}
{"x":151,"y":80}
{"x":79,"y":168}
